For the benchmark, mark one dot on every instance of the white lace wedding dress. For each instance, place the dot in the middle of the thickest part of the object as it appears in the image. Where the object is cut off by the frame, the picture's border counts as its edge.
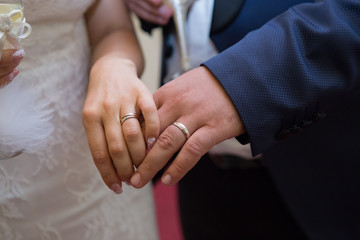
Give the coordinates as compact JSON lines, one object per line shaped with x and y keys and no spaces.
{"x":58,"y":193}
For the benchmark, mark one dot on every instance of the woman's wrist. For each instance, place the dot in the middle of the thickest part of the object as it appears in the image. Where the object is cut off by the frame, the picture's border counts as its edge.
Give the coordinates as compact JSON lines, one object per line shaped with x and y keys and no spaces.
{"x":108,"y":62}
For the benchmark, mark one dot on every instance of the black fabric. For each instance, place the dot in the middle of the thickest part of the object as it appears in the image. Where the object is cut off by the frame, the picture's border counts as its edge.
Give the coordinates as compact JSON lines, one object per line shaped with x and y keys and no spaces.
{"x":233,"y":204}
{"x":224,"y":12}
{"x":167,"y":48}
{"x":147,"y":26}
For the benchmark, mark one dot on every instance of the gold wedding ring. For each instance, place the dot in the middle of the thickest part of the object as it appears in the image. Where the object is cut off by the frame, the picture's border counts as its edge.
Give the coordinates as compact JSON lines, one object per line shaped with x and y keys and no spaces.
{"x":128,"y":116}
{"x":182,"y":127}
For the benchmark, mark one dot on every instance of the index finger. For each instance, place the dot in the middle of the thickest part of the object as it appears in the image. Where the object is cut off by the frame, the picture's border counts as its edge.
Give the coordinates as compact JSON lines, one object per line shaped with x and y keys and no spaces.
{"x":151,"y":122}
{"x":168,"y":143}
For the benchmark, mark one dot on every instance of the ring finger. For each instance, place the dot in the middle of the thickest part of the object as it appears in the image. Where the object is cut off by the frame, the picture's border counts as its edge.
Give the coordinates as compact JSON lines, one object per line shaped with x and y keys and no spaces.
{"x":133,"y":136}
{"x":117,"y":148}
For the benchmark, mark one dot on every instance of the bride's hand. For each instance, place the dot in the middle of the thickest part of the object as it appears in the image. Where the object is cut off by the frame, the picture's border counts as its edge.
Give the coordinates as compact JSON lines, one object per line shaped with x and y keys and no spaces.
{"x":10,"y":59}
{"x":114,"y":91}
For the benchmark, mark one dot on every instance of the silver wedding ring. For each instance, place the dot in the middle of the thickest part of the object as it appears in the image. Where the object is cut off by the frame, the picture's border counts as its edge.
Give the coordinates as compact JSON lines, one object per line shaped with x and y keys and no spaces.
{"x":128,"y":116}
{"x":182,"y":127}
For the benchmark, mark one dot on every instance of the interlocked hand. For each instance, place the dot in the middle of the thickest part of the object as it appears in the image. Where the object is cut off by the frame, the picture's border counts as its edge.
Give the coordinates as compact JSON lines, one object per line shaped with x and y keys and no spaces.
{"x":197,"y":101}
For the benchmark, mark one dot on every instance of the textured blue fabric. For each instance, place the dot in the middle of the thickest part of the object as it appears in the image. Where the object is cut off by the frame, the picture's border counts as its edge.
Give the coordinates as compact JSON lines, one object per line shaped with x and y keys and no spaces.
{"x":297,"y":79}
{"x":253,"y":15}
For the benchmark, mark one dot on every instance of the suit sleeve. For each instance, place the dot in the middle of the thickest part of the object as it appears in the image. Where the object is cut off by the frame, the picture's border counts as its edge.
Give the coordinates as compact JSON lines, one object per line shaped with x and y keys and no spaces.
{"x":286,"y":75}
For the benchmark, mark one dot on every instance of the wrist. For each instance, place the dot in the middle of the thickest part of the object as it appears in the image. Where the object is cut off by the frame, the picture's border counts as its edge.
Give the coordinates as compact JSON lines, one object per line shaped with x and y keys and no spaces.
{"x":111,"y":61}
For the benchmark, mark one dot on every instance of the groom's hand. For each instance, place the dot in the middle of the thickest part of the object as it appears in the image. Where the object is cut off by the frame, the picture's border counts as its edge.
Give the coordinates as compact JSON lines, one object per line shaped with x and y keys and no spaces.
{"x":199,"y":104}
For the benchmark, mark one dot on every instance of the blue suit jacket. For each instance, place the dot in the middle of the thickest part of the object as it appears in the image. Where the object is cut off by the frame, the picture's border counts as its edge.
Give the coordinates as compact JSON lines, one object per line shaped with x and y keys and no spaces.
{"x":296,"y":85}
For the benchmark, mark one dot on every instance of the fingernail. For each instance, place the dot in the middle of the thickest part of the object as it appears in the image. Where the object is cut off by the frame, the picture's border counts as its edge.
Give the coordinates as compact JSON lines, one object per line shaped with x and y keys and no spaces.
{"x":150,"y":143}
{"x":164,"y":14}
{"x":18,"y":55}
{"x":165,"y":11}
{"x":13,"y":74}
{"x":166,"y":179}
{"x":135,"y":180}
{"x":116,"y":188}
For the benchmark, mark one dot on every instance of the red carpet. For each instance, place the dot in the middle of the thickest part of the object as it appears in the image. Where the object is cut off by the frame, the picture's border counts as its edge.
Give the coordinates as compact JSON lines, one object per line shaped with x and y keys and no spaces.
{"x":167,"y":212}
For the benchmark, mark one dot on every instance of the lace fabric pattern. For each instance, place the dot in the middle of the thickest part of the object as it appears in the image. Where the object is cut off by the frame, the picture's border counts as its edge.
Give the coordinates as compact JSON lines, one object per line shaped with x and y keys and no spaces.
{"x":58,"y":193}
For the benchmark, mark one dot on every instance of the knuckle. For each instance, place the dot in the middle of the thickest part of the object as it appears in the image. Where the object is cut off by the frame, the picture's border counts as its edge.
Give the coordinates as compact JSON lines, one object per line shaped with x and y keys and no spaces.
{"x":148,"y":107}
{"x":176,"y":100}
{"x":100,"y":158}
{"x":116,"y":149}
{"x":180,"y":168}
{"x":108,"y":105}
{"x":131,"y":133}
{"x":193,"y":148}
{"x":88,"y":115}
{"x":147,"y":166}
{"x":165,"y":141}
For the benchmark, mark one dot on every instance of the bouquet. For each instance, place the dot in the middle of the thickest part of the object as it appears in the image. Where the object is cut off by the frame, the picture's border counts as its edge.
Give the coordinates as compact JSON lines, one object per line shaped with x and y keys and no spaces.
{"x":24,"y":118}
